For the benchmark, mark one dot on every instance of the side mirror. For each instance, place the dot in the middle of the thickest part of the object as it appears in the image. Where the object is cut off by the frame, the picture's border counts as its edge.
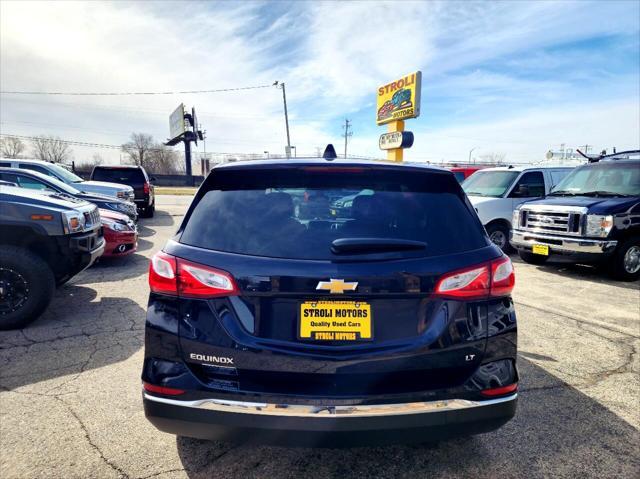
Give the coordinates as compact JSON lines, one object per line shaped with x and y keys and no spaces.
{"x":152,"y":178}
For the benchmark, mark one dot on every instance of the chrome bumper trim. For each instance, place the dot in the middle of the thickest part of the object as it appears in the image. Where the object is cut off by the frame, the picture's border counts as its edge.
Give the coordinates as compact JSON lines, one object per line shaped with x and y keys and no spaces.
{"x":569,"y":244}
{"x":298,"y":410}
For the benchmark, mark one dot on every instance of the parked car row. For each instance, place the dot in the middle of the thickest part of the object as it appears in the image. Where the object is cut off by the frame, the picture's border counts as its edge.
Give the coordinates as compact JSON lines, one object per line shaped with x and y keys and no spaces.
{"x":591,"y":216}
{"x":54,"y":225}
{"x":588,"y":214}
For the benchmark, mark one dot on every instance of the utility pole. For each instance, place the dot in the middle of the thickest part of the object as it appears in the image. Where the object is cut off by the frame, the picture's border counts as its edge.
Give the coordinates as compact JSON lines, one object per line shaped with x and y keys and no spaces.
{"x":586,"y":148}
{"x":471,"y":151}
{"x":286,"y":117}
{"x":347,"y":134}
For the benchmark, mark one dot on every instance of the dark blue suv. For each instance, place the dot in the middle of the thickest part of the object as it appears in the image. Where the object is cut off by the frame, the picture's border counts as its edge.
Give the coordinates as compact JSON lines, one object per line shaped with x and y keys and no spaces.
{"x":393,"y":323}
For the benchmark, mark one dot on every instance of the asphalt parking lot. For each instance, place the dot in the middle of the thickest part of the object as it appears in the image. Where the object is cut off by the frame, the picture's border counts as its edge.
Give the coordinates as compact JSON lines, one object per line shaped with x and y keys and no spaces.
{"x":70,"y":390}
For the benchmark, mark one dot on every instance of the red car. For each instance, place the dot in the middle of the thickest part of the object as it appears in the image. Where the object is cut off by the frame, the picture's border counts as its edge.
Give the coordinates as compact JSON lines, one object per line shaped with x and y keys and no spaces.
{"x":120,"y":233}
{"x":463,"y":172}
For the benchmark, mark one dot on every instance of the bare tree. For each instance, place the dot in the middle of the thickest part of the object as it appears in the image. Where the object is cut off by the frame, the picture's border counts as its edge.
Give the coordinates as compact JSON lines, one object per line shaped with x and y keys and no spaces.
{"x":494,"y":157}
{"x":51,"y":148}
{"x":11,"y":147}
{"x":88,"y":165}
{"x":139,"y":148}
{"x":163,"y":160}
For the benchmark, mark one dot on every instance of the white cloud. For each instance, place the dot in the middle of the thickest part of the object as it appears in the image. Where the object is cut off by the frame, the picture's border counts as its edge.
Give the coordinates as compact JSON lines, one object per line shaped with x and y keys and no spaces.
{"x":331,"y":55}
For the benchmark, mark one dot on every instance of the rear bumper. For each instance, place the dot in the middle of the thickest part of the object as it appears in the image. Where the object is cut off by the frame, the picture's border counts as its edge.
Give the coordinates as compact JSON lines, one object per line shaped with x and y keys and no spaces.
{"x":326,"y":425}
{"x":143,"y":202}
{"x":564,"y":245}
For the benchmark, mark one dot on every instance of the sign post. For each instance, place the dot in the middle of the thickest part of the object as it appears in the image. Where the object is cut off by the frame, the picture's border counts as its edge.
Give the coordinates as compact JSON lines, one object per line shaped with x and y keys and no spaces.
{"x":183,"y":127}
{"x":396,"y":102}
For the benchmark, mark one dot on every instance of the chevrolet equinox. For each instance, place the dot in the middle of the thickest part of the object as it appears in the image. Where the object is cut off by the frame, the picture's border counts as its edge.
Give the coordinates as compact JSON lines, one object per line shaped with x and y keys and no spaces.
{"x":274,"y":319}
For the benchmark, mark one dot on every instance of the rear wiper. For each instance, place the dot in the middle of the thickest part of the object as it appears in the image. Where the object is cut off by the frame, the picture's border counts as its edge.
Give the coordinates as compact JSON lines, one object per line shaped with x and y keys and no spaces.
{"x":374,"y":245}
{"x":602,"y":193}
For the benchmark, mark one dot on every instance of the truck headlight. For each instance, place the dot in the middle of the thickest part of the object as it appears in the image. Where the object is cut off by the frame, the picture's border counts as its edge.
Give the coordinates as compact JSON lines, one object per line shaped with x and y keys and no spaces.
{"x":73,"y":221}
{"x":599,"y":225}
{"x":515,"y":219}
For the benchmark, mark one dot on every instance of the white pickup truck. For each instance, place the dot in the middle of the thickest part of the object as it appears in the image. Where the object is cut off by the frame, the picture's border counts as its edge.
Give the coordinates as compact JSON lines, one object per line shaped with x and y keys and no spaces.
{"x":496,"y":192}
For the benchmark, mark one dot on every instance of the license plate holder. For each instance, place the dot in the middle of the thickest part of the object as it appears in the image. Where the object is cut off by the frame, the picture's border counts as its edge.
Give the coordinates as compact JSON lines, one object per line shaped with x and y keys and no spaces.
{"x":342,"y":321}
{"x":541,"y":249}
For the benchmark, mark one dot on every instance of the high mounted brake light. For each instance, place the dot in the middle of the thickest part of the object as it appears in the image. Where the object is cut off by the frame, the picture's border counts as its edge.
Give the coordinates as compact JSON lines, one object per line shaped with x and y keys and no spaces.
{"x":178,"y":277}
{"x":492,"y":279}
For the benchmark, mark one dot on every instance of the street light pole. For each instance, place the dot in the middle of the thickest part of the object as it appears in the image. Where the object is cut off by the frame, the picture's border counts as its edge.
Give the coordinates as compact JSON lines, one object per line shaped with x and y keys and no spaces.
{"x":286,"y":119}
{"x":471,"y":151}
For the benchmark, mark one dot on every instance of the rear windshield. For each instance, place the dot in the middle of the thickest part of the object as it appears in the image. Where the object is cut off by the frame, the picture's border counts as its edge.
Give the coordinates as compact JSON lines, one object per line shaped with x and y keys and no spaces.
{"x":115,"y":175}
{"x":300,"y":212}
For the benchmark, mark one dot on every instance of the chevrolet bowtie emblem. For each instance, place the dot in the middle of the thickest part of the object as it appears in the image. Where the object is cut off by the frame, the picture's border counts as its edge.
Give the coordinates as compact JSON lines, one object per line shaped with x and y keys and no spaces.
{"x":336,"y":286}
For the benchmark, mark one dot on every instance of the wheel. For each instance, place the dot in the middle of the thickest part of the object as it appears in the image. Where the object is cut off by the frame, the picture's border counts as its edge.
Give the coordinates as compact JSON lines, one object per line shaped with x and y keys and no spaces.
{"x":625,"y":263}
{"x":148,"y":211}
{"x":532,"y":258}
{"x":26,"y":287}
{"x":499,"y":236}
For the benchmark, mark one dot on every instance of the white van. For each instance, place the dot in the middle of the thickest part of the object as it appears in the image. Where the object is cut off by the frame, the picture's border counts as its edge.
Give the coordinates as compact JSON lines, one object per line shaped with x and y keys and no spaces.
{"x":496,"y":192}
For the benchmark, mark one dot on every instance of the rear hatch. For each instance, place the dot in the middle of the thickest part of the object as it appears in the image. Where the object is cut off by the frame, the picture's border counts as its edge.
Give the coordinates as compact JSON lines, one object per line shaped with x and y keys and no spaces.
{"x":327,"y":304}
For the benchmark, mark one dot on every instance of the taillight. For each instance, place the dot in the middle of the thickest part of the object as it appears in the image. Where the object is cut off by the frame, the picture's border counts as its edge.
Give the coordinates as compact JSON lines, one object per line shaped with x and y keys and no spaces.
{"x":198,"y":281}
{"x":146,"y":188}
{"x":500,"y":391}
{"x":470,"y":283}
{"x":152,"y":388}
{"x":179,"y":277}
{"x":495,"y":279}
{"x":503,"y":278}
{"x":163,"y":274}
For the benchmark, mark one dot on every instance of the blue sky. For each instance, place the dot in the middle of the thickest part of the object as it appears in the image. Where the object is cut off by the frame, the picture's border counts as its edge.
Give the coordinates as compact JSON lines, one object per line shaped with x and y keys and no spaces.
{"x":515,"y":78}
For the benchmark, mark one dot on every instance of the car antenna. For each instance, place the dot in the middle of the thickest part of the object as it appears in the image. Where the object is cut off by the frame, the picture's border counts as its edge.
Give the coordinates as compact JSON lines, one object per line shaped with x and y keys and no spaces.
{"x":329,"y":153}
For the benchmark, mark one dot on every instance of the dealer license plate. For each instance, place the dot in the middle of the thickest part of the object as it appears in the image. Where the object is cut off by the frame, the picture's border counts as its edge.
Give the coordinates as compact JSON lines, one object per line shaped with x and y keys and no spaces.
{"x":335,"y":321}
{"x":542,"y":249}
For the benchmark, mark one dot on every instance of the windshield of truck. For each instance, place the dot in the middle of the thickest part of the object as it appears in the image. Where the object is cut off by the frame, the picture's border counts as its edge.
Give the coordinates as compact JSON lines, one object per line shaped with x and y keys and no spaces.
{"x":64,"y":174}
{"x":489,"y":183}
{"x":607,"y":178}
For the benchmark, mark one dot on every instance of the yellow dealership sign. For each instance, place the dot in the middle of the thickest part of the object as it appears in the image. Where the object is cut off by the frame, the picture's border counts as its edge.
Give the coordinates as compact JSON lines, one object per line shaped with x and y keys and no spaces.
{"x":399,"y":99}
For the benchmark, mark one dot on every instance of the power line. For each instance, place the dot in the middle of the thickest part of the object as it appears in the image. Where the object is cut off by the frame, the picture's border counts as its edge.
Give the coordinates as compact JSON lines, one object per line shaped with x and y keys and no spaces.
{"x":129,"y":93}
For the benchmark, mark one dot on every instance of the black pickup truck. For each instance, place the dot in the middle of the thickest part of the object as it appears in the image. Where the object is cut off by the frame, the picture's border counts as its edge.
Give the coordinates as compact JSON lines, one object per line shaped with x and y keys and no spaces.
{"x":45,"y":239}
{"x":591,"y":216}
{"x":137,"y":178}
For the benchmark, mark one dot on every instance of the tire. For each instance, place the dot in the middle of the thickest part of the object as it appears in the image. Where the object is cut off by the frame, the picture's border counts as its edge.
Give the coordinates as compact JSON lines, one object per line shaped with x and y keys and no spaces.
{"x":499,"y":235}
{"x":532,"y":258}
{"x":148,"y":211}
{"x":25,"y":274}
{"x":625,"y":262}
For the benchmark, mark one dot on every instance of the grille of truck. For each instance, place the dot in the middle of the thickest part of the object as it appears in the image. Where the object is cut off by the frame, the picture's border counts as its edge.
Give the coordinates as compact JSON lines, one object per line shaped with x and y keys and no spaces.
{"x":551,"y":222}
{"x":92,"y":218}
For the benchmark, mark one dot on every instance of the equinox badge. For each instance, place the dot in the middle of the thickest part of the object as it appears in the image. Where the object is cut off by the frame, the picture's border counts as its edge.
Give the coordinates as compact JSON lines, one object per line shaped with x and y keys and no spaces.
{"x":336,"y":286}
